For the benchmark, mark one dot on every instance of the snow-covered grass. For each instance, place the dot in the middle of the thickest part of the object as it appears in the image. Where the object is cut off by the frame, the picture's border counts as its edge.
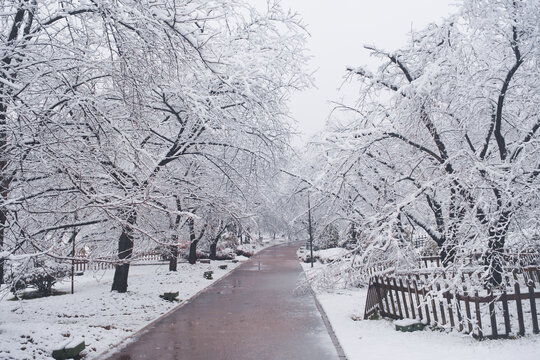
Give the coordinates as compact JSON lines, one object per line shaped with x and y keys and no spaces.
{"x":378,"y":339}
{"x":324,"y":256}
{"x":32,"y":329}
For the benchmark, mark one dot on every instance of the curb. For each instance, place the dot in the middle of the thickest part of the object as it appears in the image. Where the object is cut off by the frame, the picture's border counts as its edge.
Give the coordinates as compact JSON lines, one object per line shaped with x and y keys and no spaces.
{"x":329,"y":328}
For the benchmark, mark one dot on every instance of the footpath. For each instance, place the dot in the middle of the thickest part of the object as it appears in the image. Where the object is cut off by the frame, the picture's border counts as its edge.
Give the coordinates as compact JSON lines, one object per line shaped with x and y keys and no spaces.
{"x":253,"y":313}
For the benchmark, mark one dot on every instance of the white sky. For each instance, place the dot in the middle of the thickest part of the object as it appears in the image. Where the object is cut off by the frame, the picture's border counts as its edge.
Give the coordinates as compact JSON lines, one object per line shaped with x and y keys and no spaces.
{"x":339,"y":29}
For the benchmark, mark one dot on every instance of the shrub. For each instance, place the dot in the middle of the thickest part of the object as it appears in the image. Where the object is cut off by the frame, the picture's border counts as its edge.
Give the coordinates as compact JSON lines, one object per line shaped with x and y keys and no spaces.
{"x":327,"y":238}
{"x":170,"y":296}
{"x":225,"y":254}
{"x":244,"y":250}
{"x":41,"y":275}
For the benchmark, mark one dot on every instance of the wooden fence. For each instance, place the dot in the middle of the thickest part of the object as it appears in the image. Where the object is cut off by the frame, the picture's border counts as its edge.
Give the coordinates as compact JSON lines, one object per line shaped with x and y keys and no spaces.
{"x":524,"y":259}
{"x":505,"y":313}
{"x":110,"y":262}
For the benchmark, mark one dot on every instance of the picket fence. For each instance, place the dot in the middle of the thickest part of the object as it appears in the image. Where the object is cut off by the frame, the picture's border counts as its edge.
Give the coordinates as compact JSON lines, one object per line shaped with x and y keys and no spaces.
{"x":102,"y":263}
{"x":495,"y":314}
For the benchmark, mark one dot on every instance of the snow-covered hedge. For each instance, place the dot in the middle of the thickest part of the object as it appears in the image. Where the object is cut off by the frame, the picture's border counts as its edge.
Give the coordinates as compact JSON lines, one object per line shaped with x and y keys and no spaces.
{"x":40,"y":274}
{"x":323,"y":256}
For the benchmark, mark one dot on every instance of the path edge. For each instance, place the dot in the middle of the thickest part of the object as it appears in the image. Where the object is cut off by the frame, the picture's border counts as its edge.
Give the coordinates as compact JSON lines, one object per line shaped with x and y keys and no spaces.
{"x":327,"y":323}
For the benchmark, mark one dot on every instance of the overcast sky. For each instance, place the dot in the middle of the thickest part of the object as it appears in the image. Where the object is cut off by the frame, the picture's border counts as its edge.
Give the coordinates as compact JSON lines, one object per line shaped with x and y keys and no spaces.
{"x":339,"y":29}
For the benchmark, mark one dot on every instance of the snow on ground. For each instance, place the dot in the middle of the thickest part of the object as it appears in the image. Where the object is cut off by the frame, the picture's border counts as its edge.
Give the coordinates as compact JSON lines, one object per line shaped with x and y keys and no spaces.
{"x":32,"y":329}
{"x":331,"y":254}
{"x":325,"y":256}
{"x":378,"y":339}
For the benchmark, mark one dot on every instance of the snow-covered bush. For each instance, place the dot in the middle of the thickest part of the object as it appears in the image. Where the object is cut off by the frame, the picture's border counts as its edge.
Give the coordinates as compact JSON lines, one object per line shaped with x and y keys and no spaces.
{"x":327,"y":238}
{"x":323,"y":256}
{"x":351,"y":238}
{"x":226,"y":247}
{"x":225,"y":254}
{"x":329,"y":255}
{"x":430,"y":248}
{"x":245,"y":250}
{"x":40,"y":274}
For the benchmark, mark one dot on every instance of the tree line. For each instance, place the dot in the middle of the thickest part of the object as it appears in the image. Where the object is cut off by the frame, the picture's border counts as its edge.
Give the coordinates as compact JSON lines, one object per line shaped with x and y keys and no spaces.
{"x":442,"y":141}
{"x":130,"y":124}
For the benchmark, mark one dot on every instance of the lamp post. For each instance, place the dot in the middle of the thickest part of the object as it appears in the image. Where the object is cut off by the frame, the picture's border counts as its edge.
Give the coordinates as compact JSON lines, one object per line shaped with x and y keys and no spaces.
{"x":310,"y":232}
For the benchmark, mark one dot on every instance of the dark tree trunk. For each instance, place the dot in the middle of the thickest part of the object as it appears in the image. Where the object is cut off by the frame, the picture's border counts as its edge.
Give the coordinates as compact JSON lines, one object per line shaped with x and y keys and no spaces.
{"x":494,"y":259}
{"x":213,"y":250}
{"x":125,"y":249}
{"x":215,"y":240}
{"x":450,"y":240}
{"x":22,"y":23}
{"x":2,"y":227}
{"x":447,"y":254}
{"x":121,"y":273}
{"x":192,"y":259}
{"x":494,"y":262}
{"x":173,"y":259}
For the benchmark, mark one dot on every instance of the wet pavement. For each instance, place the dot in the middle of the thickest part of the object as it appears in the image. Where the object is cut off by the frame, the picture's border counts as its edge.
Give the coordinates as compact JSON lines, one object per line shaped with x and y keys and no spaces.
{"x":253,"y":314}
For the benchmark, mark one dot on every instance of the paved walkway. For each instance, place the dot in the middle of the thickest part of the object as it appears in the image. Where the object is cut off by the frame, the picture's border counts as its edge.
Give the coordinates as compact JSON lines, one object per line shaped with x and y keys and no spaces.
{"x":253,"y":314}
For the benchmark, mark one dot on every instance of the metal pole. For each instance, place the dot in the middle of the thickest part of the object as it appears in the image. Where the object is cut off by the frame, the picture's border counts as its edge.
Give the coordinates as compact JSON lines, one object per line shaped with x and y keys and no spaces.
{"x":309,"y":229}
{"x":73,"y":263}
{"x":73,"y":236}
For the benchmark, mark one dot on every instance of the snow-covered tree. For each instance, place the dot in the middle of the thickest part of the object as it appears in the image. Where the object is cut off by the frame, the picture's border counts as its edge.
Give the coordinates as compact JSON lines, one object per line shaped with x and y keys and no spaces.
{"x":111,"y":110}
{"x":445,"y":137}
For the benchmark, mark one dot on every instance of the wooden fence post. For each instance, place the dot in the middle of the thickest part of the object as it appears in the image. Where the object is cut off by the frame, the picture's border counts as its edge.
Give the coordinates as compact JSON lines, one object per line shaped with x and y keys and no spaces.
{"x":478,"y":316}
{"x":467,"y":309}
{"x":492,"y":316}
{"x":519,"y":309}
{"x":418,"y":303}
{"x":397,"y":298}
{"x":385,"y":295}
{"x":533,"y":309}
{"x":450,"y":312}
{"x":458,"y":311}
{"x":403,"y":298}
{"x":506,"y":314}
{"x":391,"y":296}
{"x":409,"y":290}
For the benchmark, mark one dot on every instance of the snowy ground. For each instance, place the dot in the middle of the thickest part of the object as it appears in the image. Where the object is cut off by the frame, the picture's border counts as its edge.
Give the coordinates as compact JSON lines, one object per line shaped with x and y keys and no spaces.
{"x":378,"y":339}
{"x":31,"y":329}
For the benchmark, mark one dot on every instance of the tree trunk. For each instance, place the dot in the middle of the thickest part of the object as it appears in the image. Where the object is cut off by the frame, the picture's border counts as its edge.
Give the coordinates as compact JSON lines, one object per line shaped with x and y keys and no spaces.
{"x":192,"y":259}
{"x":456,"y":215}
{"x":213,"y":250}
{"x":22,"y":23}
{"x":494,"y":259}
{"x":125,"y":250}
{"x":173,"y":259}
{"x":4,"y":182}
{"x":2,"y":232}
